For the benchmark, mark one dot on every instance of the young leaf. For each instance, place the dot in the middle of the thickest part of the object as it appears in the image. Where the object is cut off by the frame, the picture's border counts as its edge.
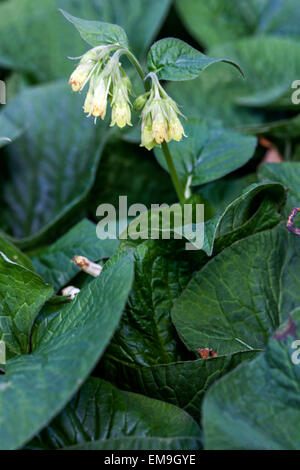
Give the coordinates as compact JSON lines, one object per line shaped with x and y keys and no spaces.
{"x":240,"y":297}
{"x":54,"y":262}
{"x":208,"y":153}
{"x":173,"y":59}
{"x":22,"y":294}
{"x":257,"y":406}
{"x":97,"y":33}
{"x":64,"y":357}
{"x":136,"y":422}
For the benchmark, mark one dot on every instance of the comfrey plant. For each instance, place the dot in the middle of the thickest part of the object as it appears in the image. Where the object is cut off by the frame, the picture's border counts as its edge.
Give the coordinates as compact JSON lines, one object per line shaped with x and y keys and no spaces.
{"x":101,"y":68}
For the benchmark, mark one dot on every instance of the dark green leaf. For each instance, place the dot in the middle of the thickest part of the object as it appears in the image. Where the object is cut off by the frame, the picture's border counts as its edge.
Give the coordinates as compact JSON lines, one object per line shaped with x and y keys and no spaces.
{"x":37,"y":386}
{"x":240,"y":297}
{"x":14,"y":254}
{"x":257,"y":406}
{"x":146,"y":335}
{"x":102,"y":417}
{"x":183,"y":384}
{"x":173,"y":59}
{"x":52,"y":167}
{"x":22,"y":294}
{"x":54,"y":263}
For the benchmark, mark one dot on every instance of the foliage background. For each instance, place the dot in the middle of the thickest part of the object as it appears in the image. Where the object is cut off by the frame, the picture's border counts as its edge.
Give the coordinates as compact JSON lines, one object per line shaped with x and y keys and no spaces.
{"x":231,"y":296}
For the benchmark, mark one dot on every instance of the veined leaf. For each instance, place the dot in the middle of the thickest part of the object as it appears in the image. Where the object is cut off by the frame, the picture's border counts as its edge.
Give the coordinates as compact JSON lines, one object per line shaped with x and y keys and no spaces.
{"x":257,"y":406}
{"x":22,"y":294}
{"x":52,"y":167}
{"x":103,"y":417}
{"x":216,"y":21}
{"x":240,"y":297}
{"x":64,"y":357}
{"x":146,"y":335}
{"x":173,"y":59}
{"x":97,"y":33}
{"x":183,"y":384}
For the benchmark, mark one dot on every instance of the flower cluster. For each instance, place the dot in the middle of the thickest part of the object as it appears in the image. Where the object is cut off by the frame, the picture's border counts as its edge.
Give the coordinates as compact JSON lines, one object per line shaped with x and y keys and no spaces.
{"x":107,"y":80}
{"x":160,"y":122}
{"x":101,"y":67}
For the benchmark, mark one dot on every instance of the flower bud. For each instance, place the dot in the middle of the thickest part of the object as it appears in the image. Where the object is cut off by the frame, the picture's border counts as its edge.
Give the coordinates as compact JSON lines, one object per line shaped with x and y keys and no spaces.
{"x":140,"y":102}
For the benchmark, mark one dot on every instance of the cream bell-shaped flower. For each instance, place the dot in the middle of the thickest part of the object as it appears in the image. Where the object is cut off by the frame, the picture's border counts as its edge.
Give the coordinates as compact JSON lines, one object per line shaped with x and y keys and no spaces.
{"x":160,"y":122}
{"x":94,"y":58}
{"x":100,"y":97}
{"x":121,"y":112}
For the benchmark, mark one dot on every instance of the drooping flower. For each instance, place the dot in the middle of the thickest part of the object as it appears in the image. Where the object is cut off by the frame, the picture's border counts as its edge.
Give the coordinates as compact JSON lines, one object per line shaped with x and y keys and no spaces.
{"x":160,"y":121}
{"x":121,"y":112}
{"x":106,"y":79}
{"x":94,"y":58}
{"x":100,"y":97}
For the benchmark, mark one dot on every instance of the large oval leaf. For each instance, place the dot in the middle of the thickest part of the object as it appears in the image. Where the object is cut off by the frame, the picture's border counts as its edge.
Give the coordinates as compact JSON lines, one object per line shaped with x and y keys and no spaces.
{"x":183,"y":384}
{"x":22,"y":295}
{"x":52,"y":167}
{"x":64,"y":357}
{"x":257,"y":407}
{"x":216,"y":21}
{"x":240,"y":297}
{"x":103,"y":417}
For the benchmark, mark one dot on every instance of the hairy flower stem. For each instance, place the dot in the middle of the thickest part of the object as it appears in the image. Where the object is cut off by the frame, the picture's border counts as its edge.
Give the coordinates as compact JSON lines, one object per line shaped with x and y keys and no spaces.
{"x":165,"y":148}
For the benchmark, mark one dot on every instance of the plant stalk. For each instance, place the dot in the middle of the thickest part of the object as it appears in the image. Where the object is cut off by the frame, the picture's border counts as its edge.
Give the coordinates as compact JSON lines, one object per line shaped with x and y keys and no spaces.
{"x":165,"y":148}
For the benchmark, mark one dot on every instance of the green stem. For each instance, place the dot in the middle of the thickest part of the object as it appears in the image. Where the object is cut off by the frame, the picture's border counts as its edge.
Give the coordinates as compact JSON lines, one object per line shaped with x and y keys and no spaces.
{"x":165,"y":148}
{"x":173,"y":173}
